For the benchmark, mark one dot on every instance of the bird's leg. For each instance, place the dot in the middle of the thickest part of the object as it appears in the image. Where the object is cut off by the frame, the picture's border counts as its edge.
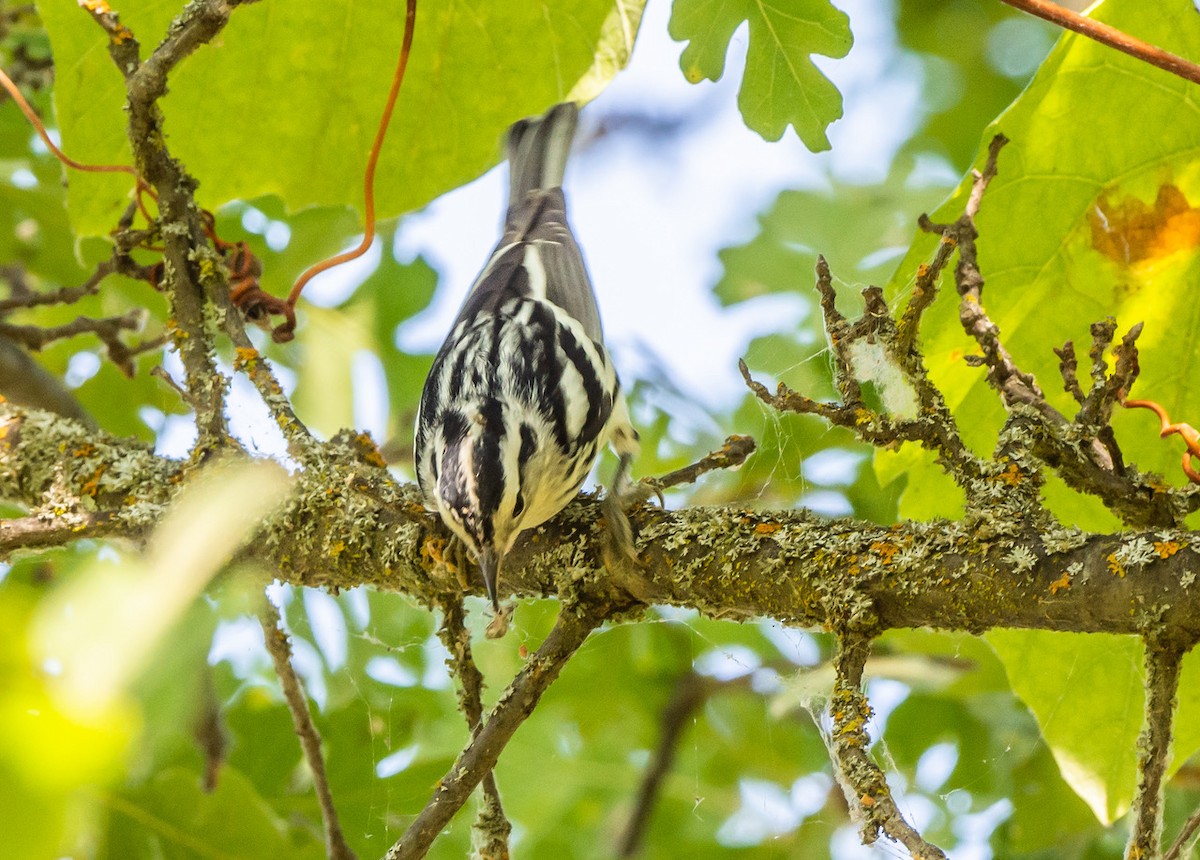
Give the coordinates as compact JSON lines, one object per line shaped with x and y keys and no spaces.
{"x":623,"y":494}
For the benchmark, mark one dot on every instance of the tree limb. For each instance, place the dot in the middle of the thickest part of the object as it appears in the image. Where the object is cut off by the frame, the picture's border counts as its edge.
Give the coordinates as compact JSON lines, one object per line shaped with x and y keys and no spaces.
{"x":184,"y":242}
{"x":1164,"y":659}
{"x":866,"y":789}
{"x":515,"y":706}
{"x":310,"y":739}
{"x":492,"y":826}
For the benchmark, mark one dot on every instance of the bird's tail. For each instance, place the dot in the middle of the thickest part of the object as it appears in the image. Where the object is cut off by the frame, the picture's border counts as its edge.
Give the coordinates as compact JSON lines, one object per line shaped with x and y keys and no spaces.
{"x":537,"y":151}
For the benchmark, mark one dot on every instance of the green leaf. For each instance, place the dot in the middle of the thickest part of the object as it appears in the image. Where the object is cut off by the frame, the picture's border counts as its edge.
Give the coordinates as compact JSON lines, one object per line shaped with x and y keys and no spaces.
{"x":287,"y":99}
{"x":1092,"y":731}
{"x":171,"y":817}
{"x":1071,"y":232}
{"x":860,"y":230}
{"x":781,"y":86}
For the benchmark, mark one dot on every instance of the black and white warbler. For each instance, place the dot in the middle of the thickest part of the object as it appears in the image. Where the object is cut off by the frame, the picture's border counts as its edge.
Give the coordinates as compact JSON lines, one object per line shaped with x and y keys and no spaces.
{"x":522,"y":396}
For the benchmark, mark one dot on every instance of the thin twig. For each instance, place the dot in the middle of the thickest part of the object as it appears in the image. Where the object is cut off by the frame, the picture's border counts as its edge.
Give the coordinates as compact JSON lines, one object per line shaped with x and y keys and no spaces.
{"x":515,"y":706}
{"x":692,"y":690}
{"x":729,"y":456}
{"x":1164,"y":659}
{"x":492,"y":827}
{"x":1185,"y":834}
{"x":36,"y":338}
{"x":1110,"y":36}
{"x":310,"y":739}
{"x":36,"y":531}
{"x":25,"y":297}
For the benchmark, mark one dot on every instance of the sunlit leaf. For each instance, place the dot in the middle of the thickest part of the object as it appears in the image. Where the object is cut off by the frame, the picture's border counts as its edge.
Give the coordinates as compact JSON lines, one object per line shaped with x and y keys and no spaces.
{"x":287,"y":100}
{"x":1070,"y":233}
{"x":781,"y":86}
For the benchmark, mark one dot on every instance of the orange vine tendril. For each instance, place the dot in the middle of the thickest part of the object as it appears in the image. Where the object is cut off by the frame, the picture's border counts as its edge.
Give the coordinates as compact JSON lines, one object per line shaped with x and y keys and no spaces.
{"x":284,"y":332}
{"x":142,"y":188}
{"x":36,"y":122}
{"x":1189,"y":434}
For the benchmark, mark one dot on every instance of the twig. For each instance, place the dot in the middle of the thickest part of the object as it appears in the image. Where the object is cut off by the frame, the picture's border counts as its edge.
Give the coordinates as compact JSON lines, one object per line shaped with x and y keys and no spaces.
{"x":33,"y":532}
{"x":209,"y":732}
{"x":1110,"y":36}
{"x":107,"y":329}
{"x":25,"y":382}
{"x":1164,"y":658}
{"x":25,"y":297}
{"x":186,"y":244}
{"x":930,"y":423}
{"x":729,"y":456}
{"x":692,"y":690}
{"x":257,"y":368}
{"x":864,"y":784}
{"x":310,"y":739}
{"x":1082,"y":451}
{"x":1185,"y":834}
{"x":480,"y":755}
{"x":492,"y":826}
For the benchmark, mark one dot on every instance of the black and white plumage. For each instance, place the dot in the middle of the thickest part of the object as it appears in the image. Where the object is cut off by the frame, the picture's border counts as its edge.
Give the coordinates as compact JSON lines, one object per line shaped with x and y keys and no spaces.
{"x":522,"y":396}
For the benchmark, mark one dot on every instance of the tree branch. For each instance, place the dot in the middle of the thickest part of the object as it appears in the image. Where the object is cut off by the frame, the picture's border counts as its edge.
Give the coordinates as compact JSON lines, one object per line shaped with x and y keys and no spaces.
{"x":867,"y":792}
{"x":348,"y":524}
{"x":27,"y":383}
{"x":515,"y":706}
{"x":185,"y":245}
{"x":692,"y":690}
{"x":1164,"y":659}
{"x":310,"y":739}
{"x":492,"y":826}
{"x":1105,"y":34}
{"x":38,"y":531}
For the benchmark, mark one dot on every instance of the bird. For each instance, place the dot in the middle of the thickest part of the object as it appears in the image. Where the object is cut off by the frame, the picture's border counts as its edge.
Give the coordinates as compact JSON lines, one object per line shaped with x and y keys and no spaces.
{"x":522,"y":395}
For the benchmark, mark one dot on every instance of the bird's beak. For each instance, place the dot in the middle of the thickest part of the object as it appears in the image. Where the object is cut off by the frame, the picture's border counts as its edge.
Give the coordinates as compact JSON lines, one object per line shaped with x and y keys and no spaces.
{"x":489,"y":566}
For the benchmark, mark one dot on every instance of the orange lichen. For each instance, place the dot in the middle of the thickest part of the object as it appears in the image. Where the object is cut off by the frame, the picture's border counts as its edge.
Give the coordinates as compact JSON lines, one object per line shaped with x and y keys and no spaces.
{"x":368,"y":451}
{"x":885,"y":550}
{"x":1062,"y":583}
{"x":767,"y":528}
{"x":92,"y":486}
{"x":1011,"y":476}
{"x":1167,"y":548}
{"x":1115,"y":567}
{"x":244,"y":356}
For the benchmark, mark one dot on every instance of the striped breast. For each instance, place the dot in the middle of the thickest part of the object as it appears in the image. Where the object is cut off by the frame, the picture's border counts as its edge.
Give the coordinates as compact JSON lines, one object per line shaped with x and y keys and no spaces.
{"x":514,"y":411}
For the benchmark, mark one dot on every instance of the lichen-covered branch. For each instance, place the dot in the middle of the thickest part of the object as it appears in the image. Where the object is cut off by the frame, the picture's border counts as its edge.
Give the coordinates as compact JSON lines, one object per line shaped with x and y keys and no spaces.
{"x":867,"y":792}
{"x":187,"y":254}
{"x":1164,"y":659}
{"x":515,"y":706}
{"x":492,"y":827}
{"x":44,"y":530}
{"x":349,"y":523}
